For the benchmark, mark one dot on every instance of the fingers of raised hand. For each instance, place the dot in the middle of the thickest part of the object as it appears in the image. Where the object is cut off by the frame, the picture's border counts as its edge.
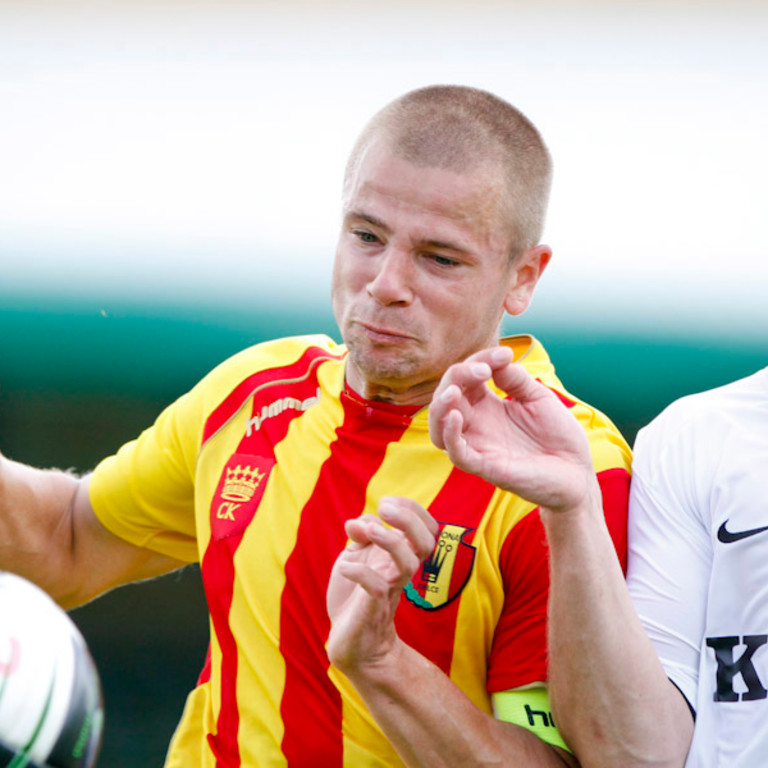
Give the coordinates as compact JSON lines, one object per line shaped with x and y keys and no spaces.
{"x":454,"y":441}
{"x":387,"y":550}
{"x":493,"y":357}
{"x":469,"y":376}
{"x":462,"y":387}
{"x":464,"y":383}
{"x":518,"y":383}
{"x":394,"y":557}
{"x":477,"y":369}
{"x":373,"y":558}
{"x":370,"y":579}
{"x":447,"y":399}
{"x":416,"y":524}
{"x":359,"y":529}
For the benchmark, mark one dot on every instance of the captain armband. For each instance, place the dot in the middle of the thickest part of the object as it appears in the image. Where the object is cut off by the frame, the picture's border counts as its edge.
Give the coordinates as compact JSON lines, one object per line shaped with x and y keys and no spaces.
{"x":529,"y":709}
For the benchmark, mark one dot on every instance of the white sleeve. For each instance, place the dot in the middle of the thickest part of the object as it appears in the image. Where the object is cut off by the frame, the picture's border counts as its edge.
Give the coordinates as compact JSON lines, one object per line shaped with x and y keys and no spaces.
{"x":670,"y":548}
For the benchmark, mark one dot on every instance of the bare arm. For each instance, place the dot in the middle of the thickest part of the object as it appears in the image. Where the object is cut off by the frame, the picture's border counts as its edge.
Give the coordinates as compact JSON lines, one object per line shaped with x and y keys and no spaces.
{"x":50,"y":534}
{"x":426,"y":717}
{"x":611,"y":698}
{"x":612,"y":701}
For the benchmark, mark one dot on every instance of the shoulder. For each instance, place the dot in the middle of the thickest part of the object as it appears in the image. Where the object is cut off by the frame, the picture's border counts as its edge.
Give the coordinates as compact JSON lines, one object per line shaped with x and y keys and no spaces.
{"x":280,"y":352}
{"x":683,"y":448}
{"x":699,"y":419}
{"x":286,"y":358}
{"x":609,"y":448}
{"x":226,"y":388}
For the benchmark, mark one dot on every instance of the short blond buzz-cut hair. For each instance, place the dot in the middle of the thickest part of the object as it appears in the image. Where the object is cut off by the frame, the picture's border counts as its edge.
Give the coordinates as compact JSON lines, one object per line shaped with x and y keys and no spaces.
{"x":462,"y":128}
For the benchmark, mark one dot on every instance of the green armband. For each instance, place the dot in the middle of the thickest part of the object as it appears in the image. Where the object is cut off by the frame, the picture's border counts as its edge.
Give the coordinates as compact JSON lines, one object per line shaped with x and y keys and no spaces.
{"x":529,"y":708}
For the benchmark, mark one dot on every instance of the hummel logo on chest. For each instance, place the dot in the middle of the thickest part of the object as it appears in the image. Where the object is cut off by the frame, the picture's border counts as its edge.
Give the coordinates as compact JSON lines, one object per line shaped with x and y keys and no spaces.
{"x":728,"y":537}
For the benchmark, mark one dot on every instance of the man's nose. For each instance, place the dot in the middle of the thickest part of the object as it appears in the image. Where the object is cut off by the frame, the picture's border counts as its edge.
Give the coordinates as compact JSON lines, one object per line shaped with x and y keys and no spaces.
{"x":392,"y":282}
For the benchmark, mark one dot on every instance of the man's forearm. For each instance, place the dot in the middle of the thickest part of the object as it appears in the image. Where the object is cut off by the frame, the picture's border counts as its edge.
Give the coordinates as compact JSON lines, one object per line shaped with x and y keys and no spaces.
{"x":611,"y":698}
{"x":431,"y":723}
{"x":50,"y":536}
{"x":35,"y":527}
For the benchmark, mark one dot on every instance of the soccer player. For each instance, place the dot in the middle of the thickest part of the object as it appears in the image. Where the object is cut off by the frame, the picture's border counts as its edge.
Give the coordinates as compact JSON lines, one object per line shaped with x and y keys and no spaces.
{"x":255,"y":472}
{"x":699,"y":578}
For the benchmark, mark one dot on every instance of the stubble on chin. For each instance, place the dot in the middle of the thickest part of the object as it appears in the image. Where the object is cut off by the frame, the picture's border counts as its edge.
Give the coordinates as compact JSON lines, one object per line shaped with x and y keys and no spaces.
{"x":380,"y":367}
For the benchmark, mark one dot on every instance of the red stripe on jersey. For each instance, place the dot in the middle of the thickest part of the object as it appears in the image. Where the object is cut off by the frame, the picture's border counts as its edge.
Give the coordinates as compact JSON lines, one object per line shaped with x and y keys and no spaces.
{"x":205,"y":673}
{"x":217,"y":565}
{"x":519,"y":651}
{"x":218,"y":571}
{"x":614,"y":484}
{"x":311,"y":708}
{"x":240,"y":394}
{"x":462,"y":501}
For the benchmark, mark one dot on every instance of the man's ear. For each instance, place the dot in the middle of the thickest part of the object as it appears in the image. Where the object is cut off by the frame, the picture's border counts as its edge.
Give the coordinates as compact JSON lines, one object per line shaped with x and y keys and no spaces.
{"x":524,"y":274}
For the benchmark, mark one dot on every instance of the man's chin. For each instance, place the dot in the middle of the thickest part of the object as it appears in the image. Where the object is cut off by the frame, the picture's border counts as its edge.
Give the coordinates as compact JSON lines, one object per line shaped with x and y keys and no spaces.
{"x":384,"y":368}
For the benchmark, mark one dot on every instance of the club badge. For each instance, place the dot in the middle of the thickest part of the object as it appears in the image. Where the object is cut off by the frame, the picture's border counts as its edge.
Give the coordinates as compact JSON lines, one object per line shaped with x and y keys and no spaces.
{"x":445,"y":572}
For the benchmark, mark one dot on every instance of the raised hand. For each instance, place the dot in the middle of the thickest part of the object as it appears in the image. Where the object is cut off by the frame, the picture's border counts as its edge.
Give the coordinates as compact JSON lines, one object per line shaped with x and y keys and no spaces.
{"x":368,"y":577}
{"x":528,"y":444}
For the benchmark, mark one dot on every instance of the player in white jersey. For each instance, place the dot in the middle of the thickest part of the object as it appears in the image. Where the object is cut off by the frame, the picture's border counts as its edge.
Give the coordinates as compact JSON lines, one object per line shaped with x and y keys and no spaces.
{"x":698,"y":563}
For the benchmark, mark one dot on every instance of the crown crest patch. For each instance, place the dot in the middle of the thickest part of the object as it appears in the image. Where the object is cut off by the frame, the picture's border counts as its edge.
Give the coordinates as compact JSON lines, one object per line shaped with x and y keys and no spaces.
{"x":240,"y":483}
{"x":238,"y":494}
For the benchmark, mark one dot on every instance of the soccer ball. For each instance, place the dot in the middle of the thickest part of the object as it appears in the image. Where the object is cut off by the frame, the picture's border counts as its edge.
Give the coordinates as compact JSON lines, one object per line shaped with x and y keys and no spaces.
{"x":51,"y":708}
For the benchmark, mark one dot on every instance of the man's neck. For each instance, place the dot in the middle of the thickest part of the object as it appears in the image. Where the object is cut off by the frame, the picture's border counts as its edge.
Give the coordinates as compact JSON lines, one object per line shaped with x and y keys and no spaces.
{"x":418,"y":394}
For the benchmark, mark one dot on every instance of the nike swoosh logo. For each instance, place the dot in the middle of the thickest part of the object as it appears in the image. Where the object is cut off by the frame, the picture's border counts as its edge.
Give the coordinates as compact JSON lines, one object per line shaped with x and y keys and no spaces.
{"x":728,"y":537}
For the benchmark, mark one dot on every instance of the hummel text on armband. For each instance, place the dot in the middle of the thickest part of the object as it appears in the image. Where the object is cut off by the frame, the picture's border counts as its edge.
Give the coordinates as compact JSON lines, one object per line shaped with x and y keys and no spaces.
{"x":534,"y":714}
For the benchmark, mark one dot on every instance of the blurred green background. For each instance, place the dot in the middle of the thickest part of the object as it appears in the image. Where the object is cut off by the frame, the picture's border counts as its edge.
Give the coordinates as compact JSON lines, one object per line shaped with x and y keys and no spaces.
{"x":76,"y":380}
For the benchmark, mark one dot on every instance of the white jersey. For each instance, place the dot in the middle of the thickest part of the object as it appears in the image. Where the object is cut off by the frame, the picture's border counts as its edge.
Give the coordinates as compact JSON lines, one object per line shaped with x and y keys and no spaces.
{"x":698,"y":563}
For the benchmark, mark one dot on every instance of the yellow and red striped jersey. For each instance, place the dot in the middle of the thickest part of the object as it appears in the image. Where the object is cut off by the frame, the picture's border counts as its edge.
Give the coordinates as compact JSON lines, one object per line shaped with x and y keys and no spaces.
{"x":253,"y":474}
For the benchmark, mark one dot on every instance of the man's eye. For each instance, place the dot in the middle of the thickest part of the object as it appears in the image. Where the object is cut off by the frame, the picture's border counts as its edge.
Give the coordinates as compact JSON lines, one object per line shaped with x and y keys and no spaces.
{"x":366,"y":237}
{"x":442,"y":261}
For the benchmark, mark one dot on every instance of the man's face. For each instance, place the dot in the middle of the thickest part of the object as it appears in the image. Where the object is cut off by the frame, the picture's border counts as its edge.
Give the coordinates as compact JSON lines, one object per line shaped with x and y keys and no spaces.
{"x":421,"y":274}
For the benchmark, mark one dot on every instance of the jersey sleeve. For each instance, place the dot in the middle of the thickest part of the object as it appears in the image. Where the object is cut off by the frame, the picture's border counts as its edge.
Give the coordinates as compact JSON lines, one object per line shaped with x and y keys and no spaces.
{"x":145,"y":492}
{"x":670,"y":550}
{"x":519,"y":651}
